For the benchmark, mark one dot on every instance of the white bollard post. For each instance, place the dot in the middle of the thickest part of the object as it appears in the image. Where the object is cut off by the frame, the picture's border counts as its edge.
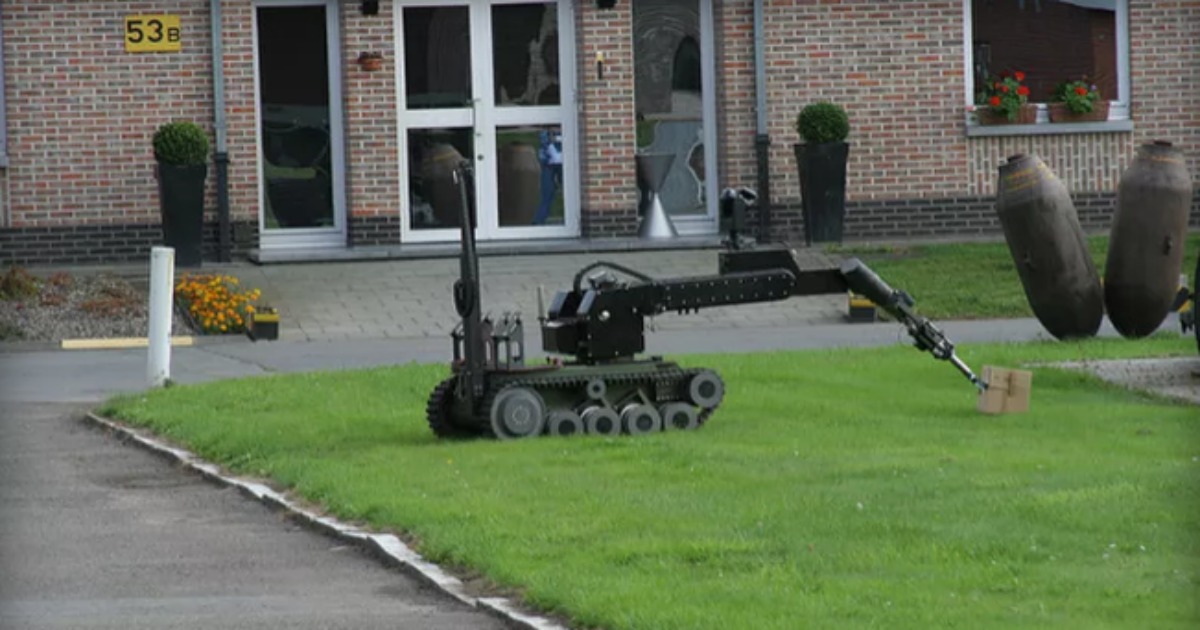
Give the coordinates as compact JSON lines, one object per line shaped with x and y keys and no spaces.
{"x":162,"y":295}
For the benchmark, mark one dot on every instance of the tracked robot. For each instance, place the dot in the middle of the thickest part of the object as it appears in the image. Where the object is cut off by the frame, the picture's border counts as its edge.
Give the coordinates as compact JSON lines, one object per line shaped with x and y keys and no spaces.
{"x":595,"y":381}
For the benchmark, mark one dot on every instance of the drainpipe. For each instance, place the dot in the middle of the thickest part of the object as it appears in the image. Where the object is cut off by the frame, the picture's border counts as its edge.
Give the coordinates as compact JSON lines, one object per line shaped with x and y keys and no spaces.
{"x":5,"y":219}
{"x":343,"y":76}
{"x":762,"y":140}
{"x":3,"y":106}
{"x":221,"y":158}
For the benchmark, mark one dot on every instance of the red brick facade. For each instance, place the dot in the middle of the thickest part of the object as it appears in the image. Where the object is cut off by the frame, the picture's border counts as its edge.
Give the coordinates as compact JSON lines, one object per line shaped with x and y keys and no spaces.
{"x":898,"y":70}
{"x":81,"y":112}
{"x":607,"y":119}
{"x":373,"y":162}
{"x":241,"y":112}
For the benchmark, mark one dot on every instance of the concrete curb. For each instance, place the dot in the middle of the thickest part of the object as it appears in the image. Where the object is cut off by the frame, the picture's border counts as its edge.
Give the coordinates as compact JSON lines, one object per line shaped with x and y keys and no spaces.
{"x":385,"y":546}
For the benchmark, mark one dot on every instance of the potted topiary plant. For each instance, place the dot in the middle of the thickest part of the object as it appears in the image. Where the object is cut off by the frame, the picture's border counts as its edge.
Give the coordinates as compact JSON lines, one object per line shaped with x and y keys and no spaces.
{"x":181,"y":150}
{"x":821,"y":158}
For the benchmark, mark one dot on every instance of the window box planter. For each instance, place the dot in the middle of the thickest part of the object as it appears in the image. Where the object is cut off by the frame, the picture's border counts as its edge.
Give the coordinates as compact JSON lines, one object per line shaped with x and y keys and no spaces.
{"x":1026,"y":116}
{"x":1059,"y":113}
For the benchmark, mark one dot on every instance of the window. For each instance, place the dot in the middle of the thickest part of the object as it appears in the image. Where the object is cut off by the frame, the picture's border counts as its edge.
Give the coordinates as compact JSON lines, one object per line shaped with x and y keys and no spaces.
{"x":1051,"y":41}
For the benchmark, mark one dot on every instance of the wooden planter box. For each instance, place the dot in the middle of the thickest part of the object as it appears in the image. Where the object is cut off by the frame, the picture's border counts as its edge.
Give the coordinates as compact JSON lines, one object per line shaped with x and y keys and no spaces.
{"x":1026,"y":116}
{"x":1060,"y":114}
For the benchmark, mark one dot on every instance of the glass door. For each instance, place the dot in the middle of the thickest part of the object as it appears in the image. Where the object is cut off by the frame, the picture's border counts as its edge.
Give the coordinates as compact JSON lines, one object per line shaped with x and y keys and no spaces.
{"x":674,"y":75}
{"x":300,"y":124}
{"x":484,"y":80}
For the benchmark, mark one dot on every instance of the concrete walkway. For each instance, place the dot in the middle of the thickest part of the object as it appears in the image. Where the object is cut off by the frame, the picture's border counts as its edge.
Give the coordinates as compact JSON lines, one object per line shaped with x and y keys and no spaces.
{"x":405,"y":299}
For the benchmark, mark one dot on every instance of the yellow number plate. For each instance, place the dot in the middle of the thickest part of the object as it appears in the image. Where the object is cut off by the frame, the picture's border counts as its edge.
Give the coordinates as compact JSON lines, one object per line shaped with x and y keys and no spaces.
{"x":152,"y":33}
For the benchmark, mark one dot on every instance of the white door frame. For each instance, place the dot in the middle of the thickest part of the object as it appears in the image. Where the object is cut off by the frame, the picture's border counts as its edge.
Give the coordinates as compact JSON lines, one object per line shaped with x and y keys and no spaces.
{"x":707,"y":223}
{"x":278,"y":238}
{"x":484,"y":118}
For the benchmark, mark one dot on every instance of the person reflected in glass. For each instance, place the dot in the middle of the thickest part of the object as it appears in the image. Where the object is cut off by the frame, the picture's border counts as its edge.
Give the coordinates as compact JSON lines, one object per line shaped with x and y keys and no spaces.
{"x":550,"y":156}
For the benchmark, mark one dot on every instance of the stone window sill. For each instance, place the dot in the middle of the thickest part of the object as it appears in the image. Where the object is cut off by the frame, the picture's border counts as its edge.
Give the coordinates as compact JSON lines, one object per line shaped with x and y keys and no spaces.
{"x":975,"y":130}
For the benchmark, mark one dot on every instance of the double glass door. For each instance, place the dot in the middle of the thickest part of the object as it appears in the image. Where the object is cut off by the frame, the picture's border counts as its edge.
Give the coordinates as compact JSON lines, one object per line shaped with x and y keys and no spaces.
{"x":487,"y":81}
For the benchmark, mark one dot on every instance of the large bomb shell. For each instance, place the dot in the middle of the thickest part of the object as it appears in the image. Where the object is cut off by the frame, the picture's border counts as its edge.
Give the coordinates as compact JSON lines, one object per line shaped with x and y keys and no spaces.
{"x":1048,"y":247}
{"x":1145,"y":248}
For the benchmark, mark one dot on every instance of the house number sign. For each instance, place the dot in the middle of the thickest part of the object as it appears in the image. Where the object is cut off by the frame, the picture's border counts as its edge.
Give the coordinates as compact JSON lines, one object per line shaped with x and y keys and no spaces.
{"x":152,"y":33}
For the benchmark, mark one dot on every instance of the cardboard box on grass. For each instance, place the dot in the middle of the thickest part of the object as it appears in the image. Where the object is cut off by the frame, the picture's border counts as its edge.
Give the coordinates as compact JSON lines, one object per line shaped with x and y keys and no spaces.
{"x":1008,"y":390}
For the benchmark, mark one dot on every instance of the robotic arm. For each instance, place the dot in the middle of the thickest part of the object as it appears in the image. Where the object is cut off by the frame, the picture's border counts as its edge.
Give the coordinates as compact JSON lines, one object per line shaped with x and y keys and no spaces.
{"x":604,"y":321}
{"x":898,"y":304}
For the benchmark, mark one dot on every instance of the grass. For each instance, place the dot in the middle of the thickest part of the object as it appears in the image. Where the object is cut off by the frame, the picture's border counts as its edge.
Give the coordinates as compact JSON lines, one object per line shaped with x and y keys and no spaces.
{"x":984,"y":281}
{"x":837,"y":488}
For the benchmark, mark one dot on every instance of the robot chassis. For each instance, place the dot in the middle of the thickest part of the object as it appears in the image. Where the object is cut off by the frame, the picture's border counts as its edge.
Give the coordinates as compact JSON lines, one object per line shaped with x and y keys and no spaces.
{"x":604,"y":387}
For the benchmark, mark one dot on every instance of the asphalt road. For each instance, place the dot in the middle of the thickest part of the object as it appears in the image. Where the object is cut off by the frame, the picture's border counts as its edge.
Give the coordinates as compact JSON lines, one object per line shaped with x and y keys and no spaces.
{"x":98,"y":534}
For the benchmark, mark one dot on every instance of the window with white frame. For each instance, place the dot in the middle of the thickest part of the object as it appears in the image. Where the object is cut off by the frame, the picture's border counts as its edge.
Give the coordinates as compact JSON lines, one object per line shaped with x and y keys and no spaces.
{"x":1051,"y":42}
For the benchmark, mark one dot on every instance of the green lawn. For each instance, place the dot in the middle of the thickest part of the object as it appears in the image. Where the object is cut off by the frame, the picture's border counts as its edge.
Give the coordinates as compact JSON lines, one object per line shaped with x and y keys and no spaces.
{"x":833,"y":489}
{"x":970,"y":280}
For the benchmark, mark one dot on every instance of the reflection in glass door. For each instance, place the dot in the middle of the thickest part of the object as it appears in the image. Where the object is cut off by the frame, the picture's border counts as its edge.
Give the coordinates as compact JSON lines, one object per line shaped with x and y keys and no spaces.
{"x":482,"y":80}
{"x":300,"y":124}
{"x":675,"y":104}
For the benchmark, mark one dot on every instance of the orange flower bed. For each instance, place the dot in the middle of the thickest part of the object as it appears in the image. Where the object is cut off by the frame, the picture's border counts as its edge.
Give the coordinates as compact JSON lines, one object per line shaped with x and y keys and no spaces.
{"x":215,"y":302}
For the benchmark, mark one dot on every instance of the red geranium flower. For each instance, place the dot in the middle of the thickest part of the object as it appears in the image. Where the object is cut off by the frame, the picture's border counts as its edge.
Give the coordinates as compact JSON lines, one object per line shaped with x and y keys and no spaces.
{"x":1079,"y":95}
{"x":1003,"y":94}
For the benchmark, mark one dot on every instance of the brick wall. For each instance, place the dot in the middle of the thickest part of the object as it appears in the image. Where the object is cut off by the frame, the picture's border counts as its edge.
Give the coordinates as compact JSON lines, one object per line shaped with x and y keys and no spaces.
{"x":898,"y":71}
{"x":373,"y":184}
{"x":896,"y":68}
{"x":105,"y":243}
{"x":1165,"y":54}
{"x":241,"y":108}
{"x":609,"y":200}
{"x":82,"y":111}
{"x":734,"y":23}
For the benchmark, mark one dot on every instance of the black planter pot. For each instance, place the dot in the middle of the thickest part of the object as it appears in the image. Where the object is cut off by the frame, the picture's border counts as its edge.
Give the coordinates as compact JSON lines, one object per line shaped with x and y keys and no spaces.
{"x":181,"y":200}
{"x":822,"y":190}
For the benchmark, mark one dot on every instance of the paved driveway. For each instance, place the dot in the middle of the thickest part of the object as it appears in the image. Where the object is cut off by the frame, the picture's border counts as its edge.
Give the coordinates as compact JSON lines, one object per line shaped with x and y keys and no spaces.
{"x":403,"y":299}
{"x":97,"y":534}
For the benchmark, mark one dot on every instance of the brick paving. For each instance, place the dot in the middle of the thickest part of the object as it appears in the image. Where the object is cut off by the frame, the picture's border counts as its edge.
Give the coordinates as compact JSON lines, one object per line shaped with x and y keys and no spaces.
{"x":412,"y":298}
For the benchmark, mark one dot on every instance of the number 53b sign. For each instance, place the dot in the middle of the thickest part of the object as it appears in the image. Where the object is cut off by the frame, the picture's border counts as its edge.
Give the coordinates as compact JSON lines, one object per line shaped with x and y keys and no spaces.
{"x":152,"y":33}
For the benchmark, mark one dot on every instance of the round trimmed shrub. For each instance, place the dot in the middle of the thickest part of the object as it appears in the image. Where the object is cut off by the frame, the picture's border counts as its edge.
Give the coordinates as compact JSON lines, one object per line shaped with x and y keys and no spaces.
{"x":181,"y":143}
{"x":823,"y":122}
